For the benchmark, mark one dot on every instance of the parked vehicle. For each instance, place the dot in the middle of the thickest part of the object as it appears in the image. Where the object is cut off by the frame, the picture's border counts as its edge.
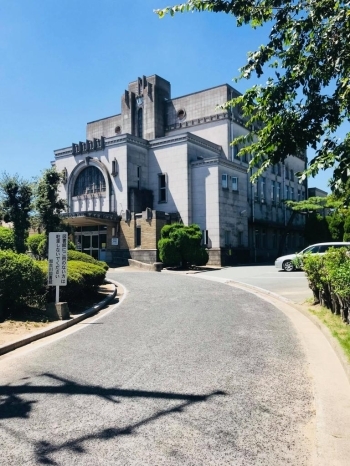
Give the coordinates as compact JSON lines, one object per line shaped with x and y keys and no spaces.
{"x":286,"y":262}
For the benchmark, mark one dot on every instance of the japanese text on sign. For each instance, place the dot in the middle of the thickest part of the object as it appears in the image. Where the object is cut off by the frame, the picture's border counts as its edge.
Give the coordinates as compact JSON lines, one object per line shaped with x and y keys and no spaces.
{"x":58,"y":243}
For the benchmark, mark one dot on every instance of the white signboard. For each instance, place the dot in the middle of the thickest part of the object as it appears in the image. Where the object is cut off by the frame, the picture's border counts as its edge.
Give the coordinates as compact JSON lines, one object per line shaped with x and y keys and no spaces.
{"x":115,"y":241}
{"x":58,"y":243}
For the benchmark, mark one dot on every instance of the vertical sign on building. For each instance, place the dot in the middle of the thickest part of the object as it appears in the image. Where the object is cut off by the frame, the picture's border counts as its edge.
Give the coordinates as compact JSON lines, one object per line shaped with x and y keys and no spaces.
{"x":57,"y":276}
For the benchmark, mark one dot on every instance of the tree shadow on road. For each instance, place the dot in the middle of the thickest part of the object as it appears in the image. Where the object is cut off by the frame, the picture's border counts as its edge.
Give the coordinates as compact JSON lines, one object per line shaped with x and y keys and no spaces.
{"x":12,"y":405}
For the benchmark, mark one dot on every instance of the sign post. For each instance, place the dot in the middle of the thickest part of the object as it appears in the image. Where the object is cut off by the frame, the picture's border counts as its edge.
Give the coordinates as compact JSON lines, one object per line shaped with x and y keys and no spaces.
{"x":57,"y":276}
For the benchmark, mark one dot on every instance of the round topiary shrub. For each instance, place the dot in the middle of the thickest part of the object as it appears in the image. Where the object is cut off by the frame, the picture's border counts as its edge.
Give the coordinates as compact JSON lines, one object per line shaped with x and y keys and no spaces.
{"x":22,"y":282}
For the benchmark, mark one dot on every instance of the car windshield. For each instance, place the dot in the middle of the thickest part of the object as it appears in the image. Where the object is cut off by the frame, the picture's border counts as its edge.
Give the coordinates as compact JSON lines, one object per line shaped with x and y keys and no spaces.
{"x":311,"y":249}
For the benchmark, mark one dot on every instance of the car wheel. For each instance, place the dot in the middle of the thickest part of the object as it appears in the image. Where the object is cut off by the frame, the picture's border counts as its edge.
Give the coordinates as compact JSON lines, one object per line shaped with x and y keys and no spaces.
{"x":288,"y":266}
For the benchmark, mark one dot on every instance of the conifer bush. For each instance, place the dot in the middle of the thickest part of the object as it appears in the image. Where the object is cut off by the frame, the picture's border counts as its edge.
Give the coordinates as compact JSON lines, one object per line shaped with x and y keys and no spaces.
{"x":181,"y":245}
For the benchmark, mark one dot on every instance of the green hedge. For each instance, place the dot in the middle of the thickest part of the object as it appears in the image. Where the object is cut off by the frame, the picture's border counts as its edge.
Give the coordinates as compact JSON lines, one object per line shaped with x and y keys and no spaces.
{"x":22,"y":281}
{"x":329,"y":278}
{"x":81,"y":256}
{"x":7,"y":240}
{"x":82,"y":278}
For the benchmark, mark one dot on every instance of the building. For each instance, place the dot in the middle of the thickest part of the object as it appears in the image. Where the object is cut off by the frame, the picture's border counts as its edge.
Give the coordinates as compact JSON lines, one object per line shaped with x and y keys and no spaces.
{"x":165,"y":159}
{"x":316,"y":192}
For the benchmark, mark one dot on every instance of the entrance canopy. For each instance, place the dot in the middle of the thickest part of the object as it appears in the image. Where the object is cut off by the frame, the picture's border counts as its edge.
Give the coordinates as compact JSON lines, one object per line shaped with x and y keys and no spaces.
{"x":78,"y":219}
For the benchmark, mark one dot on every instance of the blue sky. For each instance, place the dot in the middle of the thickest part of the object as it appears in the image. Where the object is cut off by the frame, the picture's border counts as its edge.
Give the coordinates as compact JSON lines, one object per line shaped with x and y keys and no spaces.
{"x":67,"y":62}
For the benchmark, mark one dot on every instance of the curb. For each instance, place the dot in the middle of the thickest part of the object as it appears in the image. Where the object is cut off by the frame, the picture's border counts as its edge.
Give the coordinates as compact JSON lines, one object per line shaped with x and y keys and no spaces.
{"x":60,"y":326}
{"x":325,"y":330}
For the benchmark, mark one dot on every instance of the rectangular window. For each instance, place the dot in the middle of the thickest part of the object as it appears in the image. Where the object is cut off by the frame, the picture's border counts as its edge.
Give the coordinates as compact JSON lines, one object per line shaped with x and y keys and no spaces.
{"x":292,"y":193}
{"x":227,"y":238}
{"x":245,"y":158}
{"x":299,"y":195}
{"x":286,"y":172}
{"x":234,"y":183}
{"x":292,"y":175}
{"x":162,"y":187}
{"x":273,"y":190}
{"x":205,"y":237}
{"x":235,"y":152}
{"x":138,"y":236}
{"x":278,"y":192}
{"x":287,"y":192}
{"x":279,"y":169}
{"x":263,"y":189}
{"x":257,"y":238}
{"x":138,"y":177}
{"x":256,"y":190}
{"x":224,"y":181}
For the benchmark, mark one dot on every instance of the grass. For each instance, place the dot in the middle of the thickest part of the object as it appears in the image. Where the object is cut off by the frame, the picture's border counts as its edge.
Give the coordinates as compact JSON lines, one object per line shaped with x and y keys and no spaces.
{"x":338,"y":328}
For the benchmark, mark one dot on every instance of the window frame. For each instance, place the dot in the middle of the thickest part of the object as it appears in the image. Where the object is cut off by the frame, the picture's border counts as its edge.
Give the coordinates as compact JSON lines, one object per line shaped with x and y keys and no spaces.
{"x":162,"y":190}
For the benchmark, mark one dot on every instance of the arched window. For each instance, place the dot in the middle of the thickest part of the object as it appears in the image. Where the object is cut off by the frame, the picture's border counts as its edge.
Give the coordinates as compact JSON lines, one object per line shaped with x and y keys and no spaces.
{"x":89,"y":181}
{"x":139,"y":123}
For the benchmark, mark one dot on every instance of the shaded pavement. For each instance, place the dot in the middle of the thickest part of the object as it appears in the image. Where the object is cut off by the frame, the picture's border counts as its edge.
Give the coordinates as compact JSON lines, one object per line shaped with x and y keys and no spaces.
{"x":183,"y":372}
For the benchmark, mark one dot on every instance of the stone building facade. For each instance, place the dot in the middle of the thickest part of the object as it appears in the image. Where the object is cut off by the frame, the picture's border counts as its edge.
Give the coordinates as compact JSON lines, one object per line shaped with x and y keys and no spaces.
{"x":165,"y":159}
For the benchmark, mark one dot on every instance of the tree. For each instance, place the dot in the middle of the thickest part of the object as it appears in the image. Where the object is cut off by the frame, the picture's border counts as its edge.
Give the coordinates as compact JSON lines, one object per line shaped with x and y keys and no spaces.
{"x":308,"y":98}
{"x":15,"y":206}
{"x":47,"y":202}
{"x":181,"y":245}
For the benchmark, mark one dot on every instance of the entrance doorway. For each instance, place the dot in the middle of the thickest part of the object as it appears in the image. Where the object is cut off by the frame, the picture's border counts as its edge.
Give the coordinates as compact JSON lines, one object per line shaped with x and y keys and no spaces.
{"x":92,"y":240}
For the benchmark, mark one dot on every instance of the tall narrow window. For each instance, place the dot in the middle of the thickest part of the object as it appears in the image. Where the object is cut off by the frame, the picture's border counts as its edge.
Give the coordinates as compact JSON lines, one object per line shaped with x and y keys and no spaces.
{"x":262,"y":189}
{"x":140,"y":123}
{"x":227,"y":238}
{"x":234,"y":183}
{"x":224,"y":181}
{"x":256,"y":190}
{"x":278,"y":192}
{"x":205,"y":237}
{"x":286,"y":173}
{"x":273,"y":190}
{"x":279,"y":169}
{"x":138,"y":236}
{"x":292,"y":193}
{"x":138,"y":175}
{"x":287,"y":192}
{"x":162,"y":187}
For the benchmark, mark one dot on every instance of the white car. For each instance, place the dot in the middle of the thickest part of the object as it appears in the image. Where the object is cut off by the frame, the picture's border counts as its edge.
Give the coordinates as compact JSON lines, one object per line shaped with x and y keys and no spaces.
{"x":286,"y":262}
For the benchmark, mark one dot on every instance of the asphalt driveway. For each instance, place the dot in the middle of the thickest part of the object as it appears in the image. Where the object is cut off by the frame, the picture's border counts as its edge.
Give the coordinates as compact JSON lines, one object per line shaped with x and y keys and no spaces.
{"x":290,"y":285}
{"x":182,"y":372}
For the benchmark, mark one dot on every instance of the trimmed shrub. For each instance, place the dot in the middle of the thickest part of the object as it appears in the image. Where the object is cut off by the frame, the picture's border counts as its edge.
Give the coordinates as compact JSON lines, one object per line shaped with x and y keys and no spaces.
{"x":181,"y":245}
{"x":21,"y":281}
{"x":168,"y":252}
{"x":7,"y":240}
{"x":33,"y":243}
{"x":82,"y":277}
{"x":81,"y":256}
{"x":71,"y":246}
{"x":346,"y":236}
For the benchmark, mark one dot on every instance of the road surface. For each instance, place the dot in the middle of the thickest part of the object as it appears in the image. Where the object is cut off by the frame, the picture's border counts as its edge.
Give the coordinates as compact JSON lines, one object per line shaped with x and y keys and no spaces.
{"x":182,"y":372}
